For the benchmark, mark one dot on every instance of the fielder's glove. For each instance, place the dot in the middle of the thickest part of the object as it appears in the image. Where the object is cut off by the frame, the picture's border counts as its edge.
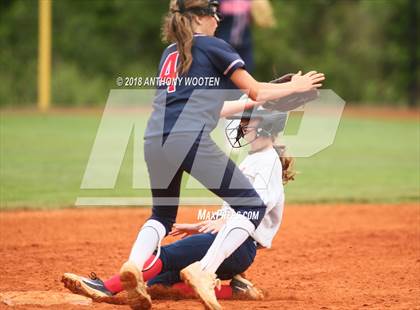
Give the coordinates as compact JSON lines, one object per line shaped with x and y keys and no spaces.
{"x":292,"y":101}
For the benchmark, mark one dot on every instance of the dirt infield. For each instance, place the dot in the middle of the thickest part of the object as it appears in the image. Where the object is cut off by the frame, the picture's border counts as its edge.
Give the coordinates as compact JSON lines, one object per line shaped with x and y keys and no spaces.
{"x":325,"y":257}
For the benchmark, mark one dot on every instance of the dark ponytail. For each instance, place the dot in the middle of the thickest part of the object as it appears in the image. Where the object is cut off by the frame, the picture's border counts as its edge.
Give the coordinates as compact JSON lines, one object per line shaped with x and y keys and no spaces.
{"x":177,"y":28}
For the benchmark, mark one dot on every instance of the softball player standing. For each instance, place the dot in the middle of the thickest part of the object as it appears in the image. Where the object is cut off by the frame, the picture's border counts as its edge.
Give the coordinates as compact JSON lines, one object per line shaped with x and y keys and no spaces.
{"x":195,"y":52}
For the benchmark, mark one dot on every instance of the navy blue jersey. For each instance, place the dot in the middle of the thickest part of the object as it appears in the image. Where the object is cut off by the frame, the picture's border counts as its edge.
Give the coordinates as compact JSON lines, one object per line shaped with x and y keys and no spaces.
{"x":213,"y":63}
{"x":235,"y":28}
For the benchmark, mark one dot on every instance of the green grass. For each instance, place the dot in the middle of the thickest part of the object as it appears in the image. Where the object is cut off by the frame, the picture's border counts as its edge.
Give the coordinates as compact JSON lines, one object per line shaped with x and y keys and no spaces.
{"x":43,"y":158}
{"x":370,"y":161}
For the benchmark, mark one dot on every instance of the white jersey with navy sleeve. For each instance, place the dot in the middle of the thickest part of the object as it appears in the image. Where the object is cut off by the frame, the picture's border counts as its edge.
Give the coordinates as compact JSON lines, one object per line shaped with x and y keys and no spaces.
{"x":264,"y":171}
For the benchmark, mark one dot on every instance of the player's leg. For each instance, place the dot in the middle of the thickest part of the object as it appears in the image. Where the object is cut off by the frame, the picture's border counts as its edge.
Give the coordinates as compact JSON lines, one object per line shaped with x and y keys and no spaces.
{"x":236,"y":189}
{"x":242,"y":197}
{"x":183,"y":252}
{"x":173,"y":257}
{"x":153,"y":268}
{"x":178,"y":255}
{"x":234,"y":267}
{"x":239,"y":193}
{"x":165,"y":205}
{"x":221,"y":176}
{"x":164,"y":165}
{"x":160,"y":163}
{"x":159,"y":286}
{"x":238,"y":288}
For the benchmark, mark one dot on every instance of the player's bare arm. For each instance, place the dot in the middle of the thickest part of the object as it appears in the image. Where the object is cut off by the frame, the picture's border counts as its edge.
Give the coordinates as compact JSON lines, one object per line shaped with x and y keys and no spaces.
{"x":236,"y":106}
{"x":260,"y":91}
{"x":186,"y":229}
{"x":212,"y":226}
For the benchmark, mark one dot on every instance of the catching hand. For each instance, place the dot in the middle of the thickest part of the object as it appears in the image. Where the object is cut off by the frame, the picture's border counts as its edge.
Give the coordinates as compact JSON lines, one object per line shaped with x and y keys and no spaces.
{"x":309,"y":81}
{"x":304,"y":88}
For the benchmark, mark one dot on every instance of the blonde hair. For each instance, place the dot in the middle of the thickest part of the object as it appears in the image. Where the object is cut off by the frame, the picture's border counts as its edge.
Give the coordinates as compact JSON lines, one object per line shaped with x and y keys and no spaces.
{"x":177,"y":28}
{"x":262,"y":13}
{"x":287,"y":164}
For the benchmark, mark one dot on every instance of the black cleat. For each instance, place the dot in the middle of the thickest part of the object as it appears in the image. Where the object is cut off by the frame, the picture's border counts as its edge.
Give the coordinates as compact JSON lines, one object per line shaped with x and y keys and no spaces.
{"x":244,"y":288}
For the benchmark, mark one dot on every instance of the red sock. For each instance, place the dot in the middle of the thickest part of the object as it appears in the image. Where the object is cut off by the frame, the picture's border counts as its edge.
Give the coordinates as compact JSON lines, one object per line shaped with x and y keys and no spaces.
{"x":225,"y":291}
{"x":154,"y":270}
{"x":114,"y":283}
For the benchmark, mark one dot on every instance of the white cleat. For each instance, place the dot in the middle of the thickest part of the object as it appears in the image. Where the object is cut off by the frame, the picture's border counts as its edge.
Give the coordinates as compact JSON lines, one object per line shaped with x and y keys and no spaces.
{"x":203,"y":283}
{"x":133,"y":284}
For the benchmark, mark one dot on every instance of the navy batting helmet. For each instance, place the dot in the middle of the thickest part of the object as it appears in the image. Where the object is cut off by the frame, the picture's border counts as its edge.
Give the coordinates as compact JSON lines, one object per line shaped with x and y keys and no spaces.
{"x":212,"y":9}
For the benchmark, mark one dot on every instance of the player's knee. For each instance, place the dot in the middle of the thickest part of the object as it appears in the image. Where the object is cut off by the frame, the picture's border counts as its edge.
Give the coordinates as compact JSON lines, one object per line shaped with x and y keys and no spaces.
{"x":239,"y":221}
{"x":166,"y":222}
{"x":253,"y":214}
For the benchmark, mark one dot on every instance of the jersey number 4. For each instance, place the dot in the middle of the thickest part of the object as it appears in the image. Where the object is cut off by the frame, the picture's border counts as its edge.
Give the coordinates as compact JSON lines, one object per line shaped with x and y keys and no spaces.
{"x":168,"y":72}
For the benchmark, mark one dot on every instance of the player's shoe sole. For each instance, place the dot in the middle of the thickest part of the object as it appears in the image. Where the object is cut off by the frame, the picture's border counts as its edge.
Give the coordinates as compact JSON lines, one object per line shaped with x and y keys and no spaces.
{"x":132,"y":282}
{"x":77,"y":285}
{"x":203,"y":283}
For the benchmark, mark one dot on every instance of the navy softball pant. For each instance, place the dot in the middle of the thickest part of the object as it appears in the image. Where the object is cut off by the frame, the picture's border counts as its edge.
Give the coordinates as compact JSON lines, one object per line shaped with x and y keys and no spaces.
{"x":206,"y":162}
{"x":184,"y":252}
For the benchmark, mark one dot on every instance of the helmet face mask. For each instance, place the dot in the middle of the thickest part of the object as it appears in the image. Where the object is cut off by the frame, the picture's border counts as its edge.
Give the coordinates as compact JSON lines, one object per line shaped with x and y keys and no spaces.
{"x":263,"y":123}
{"x":237,"y":133}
